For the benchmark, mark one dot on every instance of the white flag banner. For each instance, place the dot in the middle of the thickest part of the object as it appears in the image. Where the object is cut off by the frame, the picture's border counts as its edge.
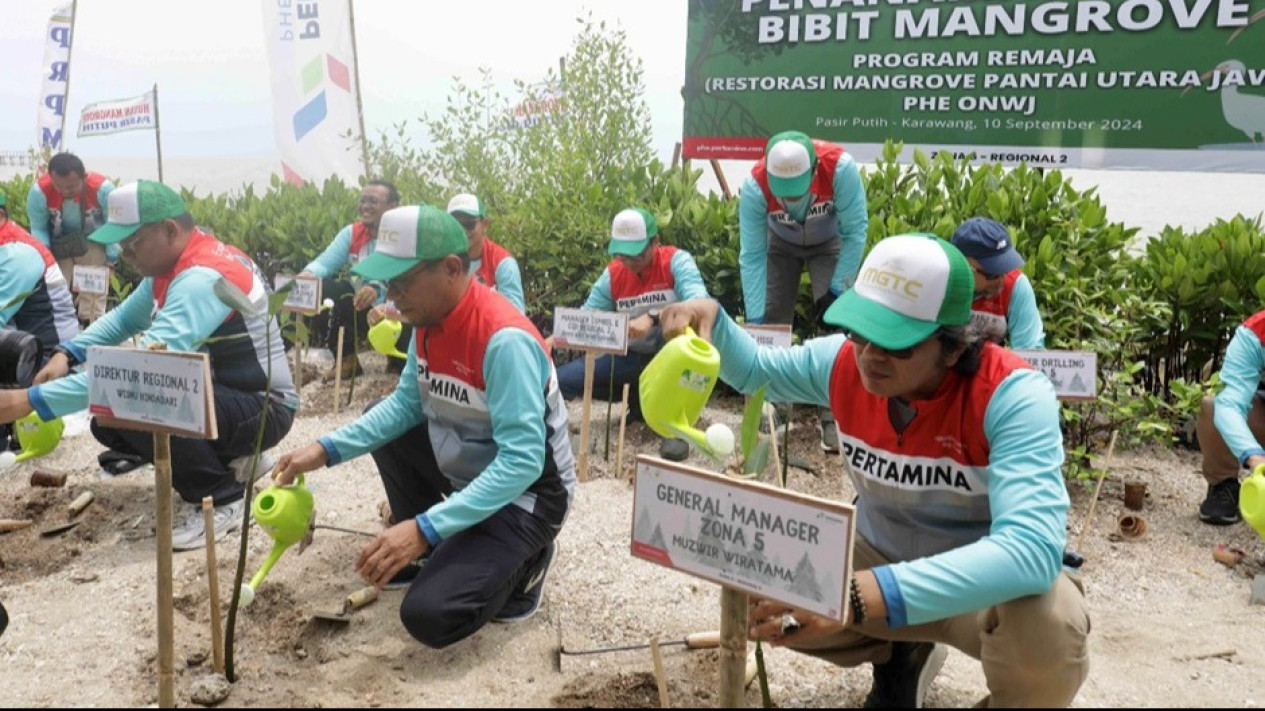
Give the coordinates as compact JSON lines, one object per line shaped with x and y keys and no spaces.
{"x":52,"y":110}
{"x":313,"y":88}
{"x":117,"y":116}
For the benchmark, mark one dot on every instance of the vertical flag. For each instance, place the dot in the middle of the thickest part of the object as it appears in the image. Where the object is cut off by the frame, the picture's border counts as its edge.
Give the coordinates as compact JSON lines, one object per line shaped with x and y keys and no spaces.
{"x":313,"y":88}
{"x":52,"y":109}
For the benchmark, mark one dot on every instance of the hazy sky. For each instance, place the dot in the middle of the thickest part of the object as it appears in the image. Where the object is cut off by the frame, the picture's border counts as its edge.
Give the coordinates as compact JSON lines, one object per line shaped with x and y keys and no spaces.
{"x":209,"y":61}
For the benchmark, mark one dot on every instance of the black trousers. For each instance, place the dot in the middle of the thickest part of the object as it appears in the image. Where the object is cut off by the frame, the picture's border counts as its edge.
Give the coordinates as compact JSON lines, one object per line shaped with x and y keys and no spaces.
{"x":199,"y":467}
{"x":325,"y":324}
{"x":470,"y":576}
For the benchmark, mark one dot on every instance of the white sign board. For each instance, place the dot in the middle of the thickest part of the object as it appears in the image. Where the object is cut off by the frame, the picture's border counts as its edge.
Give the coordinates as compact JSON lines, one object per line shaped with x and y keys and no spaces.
{"x":91,"y":280}
{"x":763,"y":541}
{"x":161,"y":391}
{"x":304,"y":297}
{"x":770,"y":335}
{"x":587,"y":330}
{"x":1073,"y":373}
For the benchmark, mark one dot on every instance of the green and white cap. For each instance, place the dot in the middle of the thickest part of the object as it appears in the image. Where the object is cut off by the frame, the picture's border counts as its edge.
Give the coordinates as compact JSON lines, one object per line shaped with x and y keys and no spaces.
{"x":408,"y":236}
{"x":790,"y":159}
{"x":908,"y":287}
{"x":135,"y":205}
{"x":467,"y":203}
{"x":631,"y":231}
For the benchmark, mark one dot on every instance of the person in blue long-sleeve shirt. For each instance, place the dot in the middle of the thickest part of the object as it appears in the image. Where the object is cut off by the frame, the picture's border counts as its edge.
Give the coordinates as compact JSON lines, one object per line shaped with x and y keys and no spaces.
{"x":472,"y":446}
{"x":1005,"y":307}
{"x":802,"y":207}
{"x":1231,"y":426}
{"x":953,"y":447}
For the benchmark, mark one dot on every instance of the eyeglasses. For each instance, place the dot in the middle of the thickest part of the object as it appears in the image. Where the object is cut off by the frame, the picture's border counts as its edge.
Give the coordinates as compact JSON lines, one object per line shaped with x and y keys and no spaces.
{"x":468,"y":223}
{"x":370,"y":201}
{"x":860,"y":342}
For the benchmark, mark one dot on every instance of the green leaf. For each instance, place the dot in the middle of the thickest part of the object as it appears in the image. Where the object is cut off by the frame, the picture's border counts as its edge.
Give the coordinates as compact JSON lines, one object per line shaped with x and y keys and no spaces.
{"x":758,"y":462}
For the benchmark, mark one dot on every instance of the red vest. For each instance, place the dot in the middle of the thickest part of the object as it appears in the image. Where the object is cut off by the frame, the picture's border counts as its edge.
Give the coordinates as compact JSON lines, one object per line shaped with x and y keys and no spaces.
{"x":204,"y":250}
{"x":943,"y":448}
{"x":360,"y":238}
{"x":13,"y":232}
{"x":988,"y":315}
{"x":1256,"y":324}
{"x":493,"y":255}
{"x":653,"y":287}
{"x":823,"y":185}
{"x":91,"y":185}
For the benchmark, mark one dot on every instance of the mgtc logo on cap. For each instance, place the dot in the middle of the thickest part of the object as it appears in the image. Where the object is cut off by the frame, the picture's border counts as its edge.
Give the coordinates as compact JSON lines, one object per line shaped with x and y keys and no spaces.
{"x":789,"y":168}
{"x":388,"y":236}
{"x":116,"y":212}
{"x":894,"y":282}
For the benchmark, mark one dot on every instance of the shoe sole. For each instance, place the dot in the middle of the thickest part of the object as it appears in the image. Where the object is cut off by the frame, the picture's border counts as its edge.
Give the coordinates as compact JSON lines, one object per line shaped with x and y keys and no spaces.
{"x":220,"y":535}
{"x":935,"y":661}
{"x":1220,"y":520}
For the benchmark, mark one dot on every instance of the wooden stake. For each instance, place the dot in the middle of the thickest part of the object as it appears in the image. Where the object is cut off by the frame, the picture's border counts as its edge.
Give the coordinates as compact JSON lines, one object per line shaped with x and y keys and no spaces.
{"x":773,"y":448}
{"x":298,"y":353}
{"x":8,"y":525}
{"x":660,"y":679}
{"x":78,"y":505}
{"x":676,"y":155}
{"x":166,"y":627}
{"x":338,"y":371}
{"x":720,"y":178}
{"x":1089,"y":519}
{"x":213,"y":584}
{"x":733,"y":649}
{"x":623,"y":422}
{"x":590,"y":361}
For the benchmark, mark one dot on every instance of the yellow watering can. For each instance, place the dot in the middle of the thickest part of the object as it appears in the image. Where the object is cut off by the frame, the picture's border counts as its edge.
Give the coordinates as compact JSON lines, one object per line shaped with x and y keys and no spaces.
{"x":675,"y":386}
{"x":285,"y":514}
{"x":384,"y":334}
{"x":1252,"y":499}
{"x":36,"y":436}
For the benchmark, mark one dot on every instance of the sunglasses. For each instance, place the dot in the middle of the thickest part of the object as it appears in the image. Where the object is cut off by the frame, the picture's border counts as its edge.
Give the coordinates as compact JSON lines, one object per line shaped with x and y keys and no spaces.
{"x":859,"y":342}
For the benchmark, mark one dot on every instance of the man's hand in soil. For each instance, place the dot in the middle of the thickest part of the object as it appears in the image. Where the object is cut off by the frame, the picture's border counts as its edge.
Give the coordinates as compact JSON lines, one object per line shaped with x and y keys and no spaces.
{"x":365,"y":297}
{"x":302,"y":460}
{"x":393,"y":549}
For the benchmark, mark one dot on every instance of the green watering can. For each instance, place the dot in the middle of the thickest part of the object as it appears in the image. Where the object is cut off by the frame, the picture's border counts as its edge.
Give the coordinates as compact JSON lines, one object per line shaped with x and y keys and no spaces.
{"x":384,"y":334}
{"x":675,"y":386}
{"x":36,"y":436}
{"x":285,"y":514}
{"x":1252,"y":499}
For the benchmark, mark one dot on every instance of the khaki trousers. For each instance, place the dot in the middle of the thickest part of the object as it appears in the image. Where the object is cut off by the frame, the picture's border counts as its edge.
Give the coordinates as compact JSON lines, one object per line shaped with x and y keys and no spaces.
{"x":88,"y":306}
{"x":1034,"y":649}
{"x":1219,"y":463}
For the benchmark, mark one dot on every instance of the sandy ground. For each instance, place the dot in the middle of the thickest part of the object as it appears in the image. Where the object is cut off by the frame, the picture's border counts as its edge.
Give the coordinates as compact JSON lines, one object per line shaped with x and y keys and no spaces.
{"x":1171,"y":627}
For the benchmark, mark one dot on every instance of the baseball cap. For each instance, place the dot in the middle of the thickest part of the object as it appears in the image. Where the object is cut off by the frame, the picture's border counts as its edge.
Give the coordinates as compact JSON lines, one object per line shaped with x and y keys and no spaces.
{"x":987,"y":242}
{"x":135,"y":205}
{"x":631,"y":231}
{"x":467,"y":203}
{"x":909,"y":286}
{"x":790,"y":159}
{"x":408,"y":236}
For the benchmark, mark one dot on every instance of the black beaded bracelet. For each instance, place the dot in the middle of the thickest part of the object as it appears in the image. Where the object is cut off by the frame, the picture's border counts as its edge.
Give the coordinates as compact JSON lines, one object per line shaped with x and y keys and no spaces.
{"x":858,"y":604}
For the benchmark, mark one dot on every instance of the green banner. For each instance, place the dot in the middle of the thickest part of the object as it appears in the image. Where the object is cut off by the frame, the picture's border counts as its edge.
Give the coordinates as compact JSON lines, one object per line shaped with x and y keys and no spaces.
{"x":1168,"y":84}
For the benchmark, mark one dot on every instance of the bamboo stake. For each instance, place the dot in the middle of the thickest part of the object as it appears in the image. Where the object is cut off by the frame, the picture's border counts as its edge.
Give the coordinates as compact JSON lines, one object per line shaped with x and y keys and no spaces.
{"x":590,"y":361}
{"x":623,"y":422}
{"x":780,"y":473}
{"x":1089,"y":519}
{"x":213,"y":584}
{"x":298,"y":353}
{"x":720,"y":178}
{"x":338,"y":371}
{"x":166,"y":626}
{"x":733,"y":648}
{"x":660,"y":679}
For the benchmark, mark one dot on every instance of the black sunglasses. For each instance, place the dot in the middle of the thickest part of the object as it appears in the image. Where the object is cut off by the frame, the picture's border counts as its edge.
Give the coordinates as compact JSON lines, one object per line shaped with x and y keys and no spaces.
{"x":860,"y":342}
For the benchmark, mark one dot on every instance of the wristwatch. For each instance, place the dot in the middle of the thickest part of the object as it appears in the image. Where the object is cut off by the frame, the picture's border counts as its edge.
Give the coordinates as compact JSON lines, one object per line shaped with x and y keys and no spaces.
{"x":70,"y":357}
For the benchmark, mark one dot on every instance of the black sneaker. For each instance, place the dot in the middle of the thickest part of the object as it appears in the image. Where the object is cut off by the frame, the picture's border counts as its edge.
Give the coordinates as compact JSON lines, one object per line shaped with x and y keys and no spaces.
{"x":674,"y":449}
{"x":524,"y":603}
{"x":403,"y":578}
{"x":1221,"y":506}
{"x":901,"y":682}
{"x":4,"y":619}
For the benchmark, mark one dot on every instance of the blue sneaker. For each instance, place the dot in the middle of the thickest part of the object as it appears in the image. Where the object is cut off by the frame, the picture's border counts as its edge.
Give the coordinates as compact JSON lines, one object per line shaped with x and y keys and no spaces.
{"x":524,"y":603}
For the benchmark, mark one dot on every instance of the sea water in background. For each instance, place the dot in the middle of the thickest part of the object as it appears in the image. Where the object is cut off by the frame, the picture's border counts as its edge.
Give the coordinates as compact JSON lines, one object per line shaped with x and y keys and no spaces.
{"x":1147,"y":200}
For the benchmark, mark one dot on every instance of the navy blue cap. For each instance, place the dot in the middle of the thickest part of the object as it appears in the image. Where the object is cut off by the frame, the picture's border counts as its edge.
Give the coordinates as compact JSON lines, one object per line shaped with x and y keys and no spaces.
{"x":987,"y":242}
